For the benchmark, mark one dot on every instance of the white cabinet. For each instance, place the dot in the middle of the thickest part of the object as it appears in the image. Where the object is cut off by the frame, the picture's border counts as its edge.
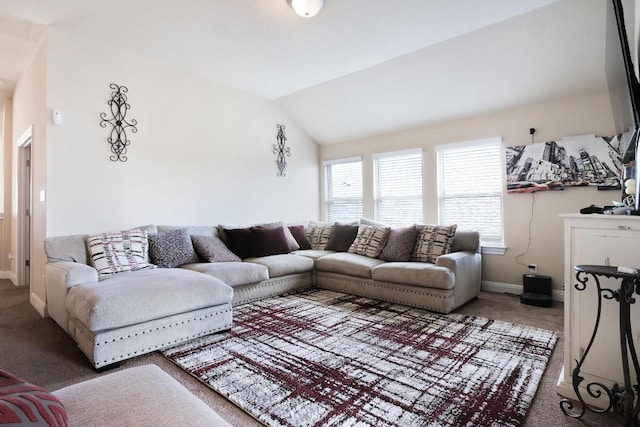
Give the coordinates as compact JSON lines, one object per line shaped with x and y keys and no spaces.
{"x":600,"y":240}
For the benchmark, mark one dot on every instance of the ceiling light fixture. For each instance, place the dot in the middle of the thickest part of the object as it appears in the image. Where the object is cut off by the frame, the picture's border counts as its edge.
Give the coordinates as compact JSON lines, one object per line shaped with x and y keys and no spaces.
{"x":306,"y":8}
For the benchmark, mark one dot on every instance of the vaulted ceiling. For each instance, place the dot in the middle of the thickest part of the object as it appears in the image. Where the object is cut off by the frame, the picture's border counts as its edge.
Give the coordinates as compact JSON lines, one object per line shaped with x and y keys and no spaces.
{"x":360,"y":67}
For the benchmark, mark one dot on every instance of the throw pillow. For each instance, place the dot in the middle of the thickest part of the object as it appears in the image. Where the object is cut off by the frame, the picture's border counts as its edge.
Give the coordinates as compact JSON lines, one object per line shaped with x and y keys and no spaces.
{"x":269,"y":241}
{"x":212,"y":249}
{"x":291,"y":241}
{"x":342,"y":237}
{"x":24,"y":404}
{"x":318,"y":235}
{"x":298,"y":232}
{"x":370,"y":240}
{"x":433,"y":241}
{"x":400,"y":243}
{"x":171,"y":249}
{"x":117,"y":252}
{"x":240,"y":241}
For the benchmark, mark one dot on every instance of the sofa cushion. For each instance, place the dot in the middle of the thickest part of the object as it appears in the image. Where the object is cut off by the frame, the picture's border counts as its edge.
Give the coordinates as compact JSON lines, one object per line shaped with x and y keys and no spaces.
{"x":282,"y":265}
{"x":24,"y":404}
{"x":212,"y":249}
{"x":298,"y":233}
{"x":348,"y":263}
{"x":400,"y":243}
{"x":139,"y":296}
{"x":318,"y":235}
{"x":370,"y":240}
{"x":342,"y":237}
{"x":172,"y":248}
{"x":313,"y":254}
{"x":433,"y":241}
{"x":232,"y":273}
{"x":67,"y":248}
{"x":465,"y":240}
{"x":414,"y":273}
{"x":119,"y":251}
{"x":192,"y":230}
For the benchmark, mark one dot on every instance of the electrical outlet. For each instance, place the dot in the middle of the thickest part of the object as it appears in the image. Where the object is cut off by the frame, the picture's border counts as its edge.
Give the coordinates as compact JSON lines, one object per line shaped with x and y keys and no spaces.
{"x":533,"y":268}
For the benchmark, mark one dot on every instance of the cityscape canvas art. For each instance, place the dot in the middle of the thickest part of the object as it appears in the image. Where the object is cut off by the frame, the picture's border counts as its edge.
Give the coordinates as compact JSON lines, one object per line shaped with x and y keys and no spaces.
{"x":572,"y":161}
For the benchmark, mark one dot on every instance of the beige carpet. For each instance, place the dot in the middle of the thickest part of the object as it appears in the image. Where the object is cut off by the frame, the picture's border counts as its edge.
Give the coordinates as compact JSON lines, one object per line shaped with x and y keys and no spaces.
{"x":38,"y":350}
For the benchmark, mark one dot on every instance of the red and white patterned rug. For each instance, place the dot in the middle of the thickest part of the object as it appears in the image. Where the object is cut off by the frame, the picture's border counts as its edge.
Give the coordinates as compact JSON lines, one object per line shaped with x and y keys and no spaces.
{"x":322,"y":358}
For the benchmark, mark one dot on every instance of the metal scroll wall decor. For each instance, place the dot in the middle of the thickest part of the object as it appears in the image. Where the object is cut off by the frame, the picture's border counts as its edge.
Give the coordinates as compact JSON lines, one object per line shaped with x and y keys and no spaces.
{"x":281,"y":150}
{"x":119,"y":125}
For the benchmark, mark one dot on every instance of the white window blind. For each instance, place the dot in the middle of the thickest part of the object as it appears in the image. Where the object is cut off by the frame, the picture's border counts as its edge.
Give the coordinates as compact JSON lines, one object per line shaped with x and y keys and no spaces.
{"x":343,"y":189}
{"x":470,"y":187}
{"x":398,"y":187}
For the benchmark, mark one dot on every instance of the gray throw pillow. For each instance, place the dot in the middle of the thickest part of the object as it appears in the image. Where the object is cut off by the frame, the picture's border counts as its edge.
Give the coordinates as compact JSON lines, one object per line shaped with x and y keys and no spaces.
{"x":400,"y":243}
{"x":212,"y":249}
{"x":172,"y":249}
{"x":342,"y":237}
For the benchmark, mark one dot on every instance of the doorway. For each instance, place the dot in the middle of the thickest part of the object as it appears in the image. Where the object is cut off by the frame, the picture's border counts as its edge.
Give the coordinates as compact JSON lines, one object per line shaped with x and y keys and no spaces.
{"x":23,"y":257}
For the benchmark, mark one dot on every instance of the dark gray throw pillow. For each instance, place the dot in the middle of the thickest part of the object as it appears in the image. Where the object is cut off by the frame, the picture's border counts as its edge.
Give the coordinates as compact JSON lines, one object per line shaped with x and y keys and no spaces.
{"x":172,"y":249}
{"x":300,"y":235}
{"x":212,"y":249}
{"x":400,"y":244}
{"x":342,"y":237}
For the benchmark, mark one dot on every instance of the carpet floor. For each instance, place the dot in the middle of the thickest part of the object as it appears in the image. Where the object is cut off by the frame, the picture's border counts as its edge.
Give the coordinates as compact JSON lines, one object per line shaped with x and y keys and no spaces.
{"x":323,"y":358}
{"x":39,"y":351}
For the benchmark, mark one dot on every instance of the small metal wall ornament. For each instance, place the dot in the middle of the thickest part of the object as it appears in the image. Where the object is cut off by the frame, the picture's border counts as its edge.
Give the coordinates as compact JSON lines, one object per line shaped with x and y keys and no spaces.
{"x":281,"y":150}
{"x":119,"y":125}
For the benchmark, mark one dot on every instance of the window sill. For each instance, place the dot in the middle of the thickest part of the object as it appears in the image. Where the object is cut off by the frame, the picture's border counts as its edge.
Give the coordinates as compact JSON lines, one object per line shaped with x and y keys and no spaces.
{"x":496,"y":249}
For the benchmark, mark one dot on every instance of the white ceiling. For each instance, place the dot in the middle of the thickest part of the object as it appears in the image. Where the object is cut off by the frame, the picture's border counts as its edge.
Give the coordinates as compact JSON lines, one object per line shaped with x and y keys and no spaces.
{"x":360,"y":67}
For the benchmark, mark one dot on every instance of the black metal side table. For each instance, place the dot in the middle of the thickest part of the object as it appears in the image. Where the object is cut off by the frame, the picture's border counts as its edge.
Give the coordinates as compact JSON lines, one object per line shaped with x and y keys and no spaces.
{"x":623,"y":399}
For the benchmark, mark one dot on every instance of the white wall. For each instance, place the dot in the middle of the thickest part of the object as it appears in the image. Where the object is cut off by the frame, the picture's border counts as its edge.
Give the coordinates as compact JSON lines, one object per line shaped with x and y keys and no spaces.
{"x":202,"y":153}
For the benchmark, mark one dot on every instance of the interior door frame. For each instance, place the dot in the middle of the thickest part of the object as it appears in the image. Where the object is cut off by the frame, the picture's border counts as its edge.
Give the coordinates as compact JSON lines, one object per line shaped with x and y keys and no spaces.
{"x":25,"y":209}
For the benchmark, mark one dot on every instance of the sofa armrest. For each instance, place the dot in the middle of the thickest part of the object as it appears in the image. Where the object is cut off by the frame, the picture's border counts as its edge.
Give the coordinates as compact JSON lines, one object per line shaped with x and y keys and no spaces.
{"x":70,"y":274}
{"x":467,"y":267}
{"x":60,"y":276}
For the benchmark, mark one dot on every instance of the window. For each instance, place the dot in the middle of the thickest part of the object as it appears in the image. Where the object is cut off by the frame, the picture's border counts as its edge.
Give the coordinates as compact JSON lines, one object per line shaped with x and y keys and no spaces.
{"x":470,"y":187}
{"x":343,"y":189}
{"x":398,"y":187}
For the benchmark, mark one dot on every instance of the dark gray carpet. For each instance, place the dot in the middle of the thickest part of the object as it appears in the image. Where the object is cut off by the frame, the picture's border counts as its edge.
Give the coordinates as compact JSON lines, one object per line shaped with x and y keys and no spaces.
{"x":41,"y":352}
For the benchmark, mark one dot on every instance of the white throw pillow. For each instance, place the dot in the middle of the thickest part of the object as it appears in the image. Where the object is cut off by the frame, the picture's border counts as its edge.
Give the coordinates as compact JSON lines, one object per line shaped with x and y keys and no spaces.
{"x":120,"y":251}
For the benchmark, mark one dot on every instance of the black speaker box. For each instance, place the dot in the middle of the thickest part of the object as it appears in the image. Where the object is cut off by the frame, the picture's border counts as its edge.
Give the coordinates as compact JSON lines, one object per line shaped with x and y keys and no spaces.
{"x":537,"y":290}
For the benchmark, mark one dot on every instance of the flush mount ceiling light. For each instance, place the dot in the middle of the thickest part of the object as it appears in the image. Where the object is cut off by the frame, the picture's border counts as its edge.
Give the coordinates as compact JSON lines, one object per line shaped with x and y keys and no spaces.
{"x":306,"y":8}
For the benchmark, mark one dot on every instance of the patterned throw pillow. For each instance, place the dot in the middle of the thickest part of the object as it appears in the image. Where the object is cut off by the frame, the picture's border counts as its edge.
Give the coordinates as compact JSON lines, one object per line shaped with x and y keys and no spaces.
{"x":212,"y":249}
{"x":120,"y":251}
{"x":172,"y":249}
{"x":433,"y":241}
{"x":318,"y":235}
{"x":370,"y":240}
{"x":25,"y":404}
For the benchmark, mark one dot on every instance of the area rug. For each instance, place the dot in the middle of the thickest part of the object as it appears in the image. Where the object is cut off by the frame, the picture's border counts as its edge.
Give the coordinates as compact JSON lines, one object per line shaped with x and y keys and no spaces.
{"x":322,"y":358}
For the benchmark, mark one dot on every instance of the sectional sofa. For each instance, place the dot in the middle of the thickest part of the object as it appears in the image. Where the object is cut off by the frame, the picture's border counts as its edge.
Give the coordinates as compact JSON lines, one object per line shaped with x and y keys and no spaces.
{"x":105,"y":291}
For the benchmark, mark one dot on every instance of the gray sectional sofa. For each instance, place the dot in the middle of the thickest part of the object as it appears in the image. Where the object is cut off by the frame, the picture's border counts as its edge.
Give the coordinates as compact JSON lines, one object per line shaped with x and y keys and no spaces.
{"x":114,"y":317}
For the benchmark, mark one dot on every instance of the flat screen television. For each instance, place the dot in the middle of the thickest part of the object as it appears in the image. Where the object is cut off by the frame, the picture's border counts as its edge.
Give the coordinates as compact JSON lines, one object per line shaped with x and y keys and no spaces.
{"x":624,"y":89}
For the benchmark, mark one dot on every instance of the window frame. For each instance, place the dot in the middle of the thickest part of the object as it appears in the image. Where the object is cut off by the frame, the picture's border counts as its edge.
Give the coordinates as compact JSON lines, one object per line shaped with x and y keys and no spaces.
{"x":488,"y":246}
{"x":377,"y":200}
{"x":326,"y":202}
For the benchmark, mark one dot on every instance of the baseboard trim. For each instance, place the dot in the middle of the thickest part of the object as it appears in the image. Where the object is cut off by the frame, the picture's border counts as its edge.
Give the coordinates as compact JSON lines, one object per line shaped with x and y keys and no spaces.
{"x":38,"y":304}
{"x":8,"y":274}
{"x":510,"y":288}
